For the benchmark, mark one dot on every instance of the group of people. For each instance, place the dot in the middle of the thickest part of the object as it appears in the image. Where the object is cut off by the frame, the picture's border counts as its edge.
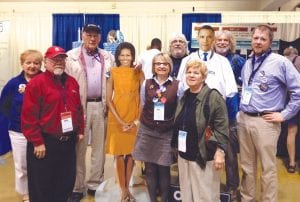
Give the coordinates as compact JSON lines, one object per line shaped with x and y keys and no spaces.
{"x":168,"y":104}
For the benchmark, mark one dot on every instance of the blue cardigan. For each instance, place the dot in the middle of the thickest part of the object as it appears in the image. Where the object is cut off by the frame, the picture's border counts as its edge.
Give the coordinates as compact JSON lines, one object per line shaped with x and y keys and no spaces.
{"x":11,"y":101}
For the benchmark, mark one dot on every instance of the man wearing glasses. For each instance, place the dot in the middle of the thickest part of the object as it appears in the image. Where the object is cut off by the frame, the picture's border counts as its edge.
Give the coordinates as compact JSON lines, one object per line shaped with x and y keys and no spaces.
{"x":178,"y":50}
{"x":52,"y":122}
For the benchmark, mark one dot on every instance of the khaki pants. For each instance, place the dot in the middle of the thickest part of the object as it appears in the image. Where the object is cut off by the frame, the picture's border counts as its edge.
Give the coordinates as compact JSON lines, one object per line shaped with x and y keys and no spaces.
{"x":258,"y":140}
{"x":96,"y":127}
{"x":197,"y":185}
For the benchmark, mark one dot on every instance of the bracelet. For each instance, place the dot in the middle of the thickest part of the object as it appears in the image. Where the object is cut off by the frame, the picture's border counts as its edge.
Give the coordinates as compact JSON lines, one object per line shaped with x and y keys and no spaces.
{"x":136,"y":122}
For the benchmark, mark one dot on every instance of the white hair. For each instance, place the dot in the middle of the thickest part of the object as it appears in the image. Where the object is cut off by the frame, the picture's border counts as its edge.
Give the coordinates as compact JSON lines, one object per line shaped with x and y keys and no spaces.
{"x":177,"y":35}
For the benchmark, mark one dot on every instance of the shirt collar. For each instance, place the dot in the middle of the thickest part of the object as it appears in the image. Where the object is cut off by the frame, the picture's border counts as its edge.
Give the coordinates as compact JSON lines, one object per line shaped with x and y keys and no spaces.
{"x":168,"y":79}
{"x":201,"y":53}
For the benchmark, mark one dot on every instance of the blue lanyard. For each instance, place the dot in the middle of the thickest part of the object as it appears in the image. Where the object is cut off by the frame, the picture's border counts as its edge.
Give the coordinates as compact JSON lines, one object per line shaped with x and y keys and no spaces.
{"x":254,"y":71}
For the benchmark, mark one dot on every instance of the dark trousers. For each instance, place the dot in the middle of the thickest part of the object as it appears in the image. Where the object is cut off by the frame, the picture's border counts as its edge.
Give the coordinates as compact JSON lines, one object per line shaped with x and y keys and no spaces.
{"x":158,"y":179}
{"x":52,"y":178}
{"x":231,"y":161}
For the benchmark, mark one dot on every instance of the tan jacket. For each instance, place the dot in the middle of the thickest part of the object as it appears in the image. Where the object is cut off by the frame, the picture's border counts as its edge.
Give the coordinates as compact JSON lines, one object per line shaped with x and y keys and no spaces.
{"x":75,"y":68}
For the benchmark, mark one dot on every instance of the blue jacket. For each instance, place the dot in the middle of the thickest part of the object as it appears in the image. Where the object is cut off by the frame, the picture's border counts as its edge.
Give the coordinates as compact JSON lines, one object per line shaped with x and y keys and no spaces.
{"x":11,"y":102}
{"x":237,"y":62}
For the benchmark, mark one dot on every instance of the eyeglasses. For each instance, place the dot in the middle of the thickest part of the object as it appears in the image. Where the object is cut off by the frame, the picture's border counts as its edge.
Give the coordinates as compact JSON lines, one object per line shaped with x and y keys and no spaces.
{"x":161,"y":63}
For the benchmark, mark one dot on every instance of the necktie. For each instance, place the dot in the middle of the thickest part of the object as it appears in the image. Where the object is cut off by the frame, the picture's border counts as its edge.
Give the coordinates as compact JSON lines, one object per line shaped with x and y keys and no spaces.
{"x":205,"y":56}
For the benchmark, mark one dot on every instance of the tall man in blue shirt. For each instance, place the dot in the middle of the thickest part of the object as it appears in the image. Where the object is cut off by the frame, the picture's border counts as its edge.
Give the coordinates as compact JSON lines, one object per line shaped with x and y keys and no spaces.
{"x":266,"y":79}
{"x":225,"y":44}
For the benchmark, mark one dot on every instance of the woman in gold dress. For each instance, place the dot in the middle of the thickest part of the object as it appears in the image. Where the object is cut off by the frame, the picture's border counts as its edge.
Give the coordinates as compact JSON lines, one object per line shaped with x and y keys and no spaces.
{"x":123,"y":88}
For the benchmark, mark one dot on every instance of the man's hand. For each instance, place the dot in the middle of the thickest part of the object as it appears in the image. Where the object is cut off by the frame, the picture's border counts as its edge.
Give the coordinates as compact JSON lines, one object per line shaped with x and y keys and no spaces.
{"x":137,"y":65}
{"x":273,"y":117}
{"x":80,"y":137}
{"x":40,"y":151}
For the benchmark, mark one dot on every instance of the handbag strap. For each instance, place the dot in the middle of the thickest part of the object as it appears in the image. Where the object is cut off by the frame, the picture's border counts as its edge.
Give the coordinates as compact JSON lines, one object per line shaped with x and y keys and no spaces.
{"x":206,"y":109}
{"x":294,"y":59}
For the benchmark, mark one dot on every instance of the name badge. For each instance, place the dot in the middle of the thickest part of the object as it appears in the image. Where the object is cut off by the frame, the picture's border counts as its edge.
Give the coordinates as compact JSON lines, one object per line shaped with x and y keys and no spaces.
{"x":159,"y":111}
{"x":66,"y":122}
{"x":246,"y":95}
{"x":182,"y":140}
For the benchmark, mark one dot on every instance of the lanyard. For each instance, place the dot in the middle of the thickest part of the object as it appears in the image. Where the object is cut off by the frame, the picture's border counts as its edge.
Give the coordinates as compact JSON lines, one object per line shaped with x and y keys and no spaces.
{"x":254,"y":71}
{"x":62,"y":91}
{"x":63,"y":95}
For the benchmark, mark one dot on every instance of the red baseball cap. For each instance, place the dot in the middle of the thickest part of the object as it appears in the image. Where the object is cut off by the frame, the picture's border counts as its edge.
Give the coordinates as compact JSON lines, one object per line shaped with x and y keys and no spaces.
{"x":54,"y":51}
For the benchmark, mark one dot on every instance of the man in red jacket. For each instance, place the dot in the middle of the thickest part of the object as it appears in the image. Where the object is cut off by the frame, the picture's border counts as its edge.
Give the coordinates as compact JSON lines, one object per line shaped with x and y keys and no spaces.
{"x":52,"y":121}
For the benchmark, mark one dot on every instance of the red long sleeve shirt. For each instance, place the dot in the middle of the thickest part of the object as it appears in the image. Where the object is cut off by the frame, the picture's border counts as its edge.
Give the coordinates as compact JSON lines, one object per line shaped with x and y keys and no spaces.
{"x":45,"y":99}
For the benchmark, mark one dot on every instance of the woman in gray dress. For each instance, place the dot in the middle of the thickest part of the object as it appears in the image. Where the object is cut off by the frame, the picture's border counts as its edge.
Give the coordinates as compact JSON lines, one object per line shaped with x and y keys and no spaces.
{"x":153,"y":144}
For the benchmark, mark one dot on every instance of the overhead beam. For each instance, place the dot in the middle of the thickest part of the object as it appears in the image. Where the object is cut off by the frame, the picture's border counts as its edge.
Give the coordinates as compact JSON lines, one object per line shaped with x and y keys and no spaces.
{"x":291,"y":5}
{"x":276,"y":5}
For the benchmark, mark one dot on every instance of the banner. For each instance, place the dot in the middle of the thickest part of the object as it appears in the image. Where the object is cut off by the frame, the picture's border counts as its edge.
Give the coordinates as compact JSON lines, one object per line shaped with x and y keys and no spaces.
{"x":242,"y":33}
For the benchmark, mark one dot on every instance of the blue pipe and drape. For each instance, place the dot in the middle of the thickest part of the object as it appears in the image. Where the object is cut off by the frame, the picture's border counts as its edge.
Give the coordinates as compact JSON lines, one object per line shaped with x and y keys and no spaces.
{"x":65,"y":27}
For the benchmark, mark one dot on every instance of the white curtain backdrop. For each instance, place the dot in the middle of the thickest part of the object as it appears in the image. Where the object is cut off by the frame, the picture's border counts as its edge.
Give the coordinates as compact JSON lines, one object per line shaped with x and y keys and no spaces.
{"x":289,"y":31}
{"x":28,"y":31}
{"x":33,"y":30}
{"x":141,"y":29}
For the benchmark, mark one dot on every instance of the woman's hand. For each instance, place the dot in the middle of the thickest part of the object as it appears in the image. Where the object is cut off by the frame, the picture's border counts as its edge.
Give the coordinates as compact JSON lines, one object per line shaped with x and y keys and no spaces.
{"x":40,"y":151}
{"x":219,"y":159}
{"x":126,"y":126}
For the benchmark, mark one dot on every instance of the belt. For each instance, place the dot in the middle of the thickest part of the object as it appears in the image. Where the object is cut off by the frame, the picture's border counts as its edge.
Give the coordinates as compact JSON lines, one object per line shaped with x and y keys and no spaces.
{"x":256,"y":114}
{"x":63,"y":138}
{"x":94,"y":99}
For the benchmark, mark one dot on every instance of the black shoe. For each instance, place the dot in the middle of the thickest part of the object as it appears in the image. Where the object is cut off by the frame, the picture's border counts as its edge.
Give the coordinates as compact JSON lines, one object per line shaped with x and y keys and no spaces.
{"x":233,"y":193}
{"x":291,"y":169}
{"x":91,"y":192}
{"x":75,"y":197}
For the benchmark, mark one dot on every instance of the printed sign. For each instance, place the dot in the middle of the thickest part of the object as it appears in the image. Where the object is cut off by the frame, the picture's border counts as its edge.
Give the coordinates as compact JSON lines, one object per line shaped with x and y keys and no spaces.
{"x":242,"y":33}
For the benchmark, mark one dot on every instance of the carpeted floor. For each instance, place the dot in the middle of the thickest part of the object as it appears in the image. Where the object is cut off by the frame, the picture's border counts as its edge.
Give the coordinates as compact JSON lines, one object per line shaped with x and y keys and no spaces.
{"x":288,"y":183}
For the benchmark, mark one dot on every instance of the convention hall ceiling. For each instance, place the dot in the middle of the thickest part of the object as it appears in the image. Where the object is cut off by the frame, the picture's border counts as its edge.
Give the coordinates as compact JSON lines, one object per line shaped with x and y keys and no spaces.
{"x":261,"y":5}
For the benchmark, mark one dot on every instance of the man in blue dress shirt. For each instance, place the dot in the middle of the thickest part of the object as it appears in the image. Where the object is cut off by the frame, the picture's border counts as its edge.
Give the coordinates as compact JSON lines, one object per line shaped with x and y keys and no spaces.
{"x":266,"y":79}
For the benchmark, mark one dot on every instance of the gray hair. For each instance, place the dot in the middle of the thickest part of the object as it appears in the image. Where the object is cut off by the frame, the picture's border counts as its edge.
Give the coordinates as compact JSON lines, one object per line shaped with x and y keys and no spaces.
{"x":230,"y":37}
{"x":175,"y":36}
{"x":289,"y":51}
